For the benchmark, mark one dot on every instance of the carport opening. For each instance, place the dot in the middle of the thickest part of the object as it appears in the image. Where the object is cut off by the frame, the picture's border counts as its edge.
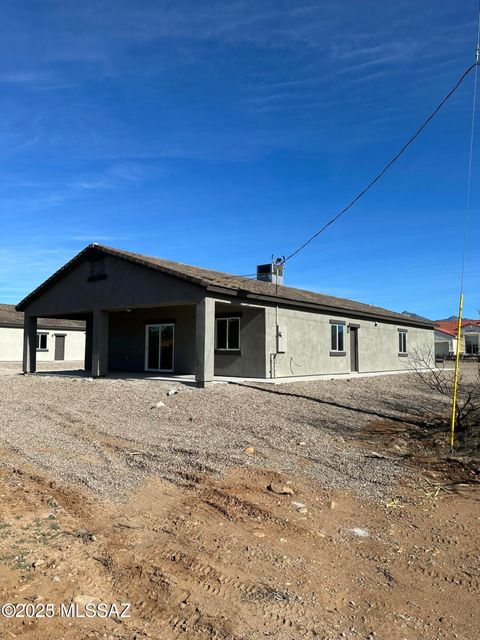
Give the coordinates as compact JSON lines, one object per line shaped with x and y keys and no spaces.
{"x":60,"y":344}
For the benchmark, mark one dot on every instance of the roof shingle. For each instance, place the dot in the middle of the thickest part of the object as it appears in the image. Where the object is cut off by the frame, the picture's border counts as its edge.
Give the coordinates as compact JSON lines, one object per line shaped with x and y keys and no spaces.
{"x":12,"y":318}
{"x":451,"y":326}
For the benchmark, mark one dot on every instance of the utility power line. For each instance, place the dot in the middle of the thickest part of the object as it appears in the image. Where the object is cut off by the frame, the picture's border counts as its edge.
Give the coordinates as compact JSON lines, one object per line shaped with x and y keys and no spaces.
{"x":387,"y":166}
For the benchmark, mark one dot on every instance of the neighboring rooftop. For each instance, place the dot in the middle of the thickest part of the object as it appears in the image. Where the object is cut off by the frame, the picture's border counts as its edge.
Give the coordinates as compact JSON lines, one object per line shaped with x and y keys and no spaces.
{"x":451,"y":326}
{"x":228,"y":283}
{"x":9,"y":317}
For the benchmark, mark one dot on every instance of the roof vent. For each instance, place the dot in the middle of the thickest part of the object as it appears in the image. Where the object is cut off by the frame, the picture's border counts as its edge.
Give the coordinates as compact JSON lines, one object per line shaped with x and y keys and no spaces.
{"x":97,"y":269}
{"x":271,"y":272}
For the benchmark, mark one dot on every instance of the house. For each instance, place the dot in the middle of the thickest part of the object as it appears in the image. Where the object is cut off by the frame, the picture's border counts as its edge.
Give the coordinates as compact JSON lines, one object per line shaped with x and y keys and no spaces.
{"x":55,"y":339}
{"x":446,"y":331}
{"x":153,"y":315}
{"x":445,"y":343}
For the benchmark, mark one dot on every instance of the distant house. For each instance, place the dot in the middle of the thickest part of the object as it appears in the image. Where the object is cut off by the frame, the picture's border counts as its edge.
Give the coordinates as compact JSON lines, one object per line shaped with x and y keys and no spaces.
{"x":54,"y":340}
{"x":446,"y":337}
{"x":445,"y":343}
{"x":148,"y":314}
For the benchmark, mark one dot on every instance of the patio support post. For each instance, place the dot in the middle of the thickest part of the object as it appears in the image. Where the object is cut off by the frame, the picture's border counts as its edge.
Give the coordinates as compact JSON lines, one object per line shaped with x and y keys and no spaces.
{"x":204,"y":341}
{"x":100,"y":343}
{"x":88,"y":343}
{"x":29,"y":344}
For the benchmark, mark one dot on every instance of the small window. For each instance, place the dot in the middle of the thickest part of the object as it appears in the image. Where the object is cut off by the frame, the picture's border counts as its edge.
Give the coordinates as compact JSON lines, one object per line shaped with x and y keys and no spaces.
{"x":227,"y":334}
{"x":402,"y":342}
{"x":42,"y":341}
{"x":337,"y":332}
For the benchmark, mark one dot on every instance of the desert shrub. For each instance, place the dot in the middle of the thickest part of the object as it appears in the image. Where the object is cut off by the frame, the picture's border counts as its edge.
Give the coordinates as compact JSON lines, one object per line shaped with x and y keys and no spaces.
{"x":440,"y":380}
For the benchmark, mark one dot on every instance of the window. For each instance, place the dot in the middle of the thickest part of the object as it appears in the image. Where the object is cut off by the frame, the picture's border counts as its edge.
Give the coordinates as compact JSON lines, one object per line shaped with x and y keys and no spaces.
{"x":228,"y":334}
{"x":337,"y":332}
{"x":42,"y":341}
{"x":472,"y":344}
{"x":402,"y":342}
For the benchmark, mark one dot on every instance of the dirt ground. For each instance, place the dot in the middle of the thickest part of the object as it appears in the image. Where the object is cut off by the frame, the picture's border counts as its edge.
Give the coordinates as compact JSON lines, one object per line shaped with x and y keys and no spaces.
{"x":252,"y":547}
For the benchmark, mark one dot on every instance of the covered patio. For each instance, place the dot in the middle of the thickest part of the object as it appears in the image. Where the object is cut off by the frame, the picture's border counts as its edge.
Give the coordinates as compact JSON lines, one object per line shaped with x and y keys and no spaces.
{"x":203,"y":341}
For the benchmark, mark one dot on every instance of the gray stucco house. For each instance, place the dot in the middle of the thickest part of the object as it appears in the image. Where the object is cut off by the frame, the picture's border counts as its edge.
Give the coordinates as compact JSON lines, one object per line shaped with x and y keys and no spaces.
{"x":148,"y":314}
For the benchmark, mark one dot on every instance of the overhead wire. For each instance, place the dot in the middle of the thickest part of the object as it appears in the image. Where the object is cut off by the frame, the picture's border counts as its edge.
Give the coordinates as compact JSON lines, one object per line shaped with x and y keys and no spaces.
{"x":387,"y":166}
{"x":391,"y":162}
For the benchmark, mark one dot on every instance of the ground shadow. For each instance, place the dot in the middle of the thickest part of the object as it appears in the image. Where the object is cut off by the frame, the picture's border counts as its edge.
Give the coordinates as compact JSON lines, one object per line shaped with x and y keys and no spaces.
{"x":337,"y":405}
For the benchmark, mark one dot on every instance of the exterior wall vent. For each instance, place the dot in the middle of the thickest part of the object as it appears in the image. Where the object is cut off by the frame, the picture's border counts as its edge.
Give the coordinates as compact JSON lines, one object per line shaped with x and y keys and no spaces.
{"x":270,"y":272}
{"x":97,"y":269}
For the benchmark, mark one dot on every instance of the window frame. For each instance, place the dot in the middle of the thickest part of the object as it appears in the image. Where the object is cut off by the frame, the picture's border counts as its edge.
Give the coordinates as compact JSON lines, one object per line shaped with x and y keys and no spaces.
{"x":228,"y":320}
{"x":335,"y":326}
{"x":472,"y":345}
{"x":40,"y":335}
{"x":402,"y":342}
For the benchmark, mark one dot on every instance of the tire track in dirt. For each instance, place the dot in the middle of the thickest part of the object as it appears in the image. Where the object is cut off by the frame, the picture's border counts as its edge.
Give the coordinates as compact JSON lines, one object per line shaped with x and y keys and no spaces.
{"x":181,"y":569}
{"x":134,"y":455}
{"x":440,"y":577}
{"x":193,"y":564}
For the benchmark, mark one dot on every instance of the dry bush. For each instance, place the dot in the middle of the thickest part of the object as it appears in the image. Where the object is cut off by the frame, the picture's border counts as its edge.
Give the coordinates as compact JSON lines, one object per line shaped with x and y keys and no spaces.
{"x":468,"y":394}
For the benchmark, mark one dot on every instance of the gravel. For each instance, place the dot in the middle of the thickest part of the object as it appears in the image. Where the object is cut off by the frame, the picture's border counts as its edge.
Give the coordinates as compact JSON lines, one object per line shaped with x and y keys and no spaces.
{"x":110,"y":434}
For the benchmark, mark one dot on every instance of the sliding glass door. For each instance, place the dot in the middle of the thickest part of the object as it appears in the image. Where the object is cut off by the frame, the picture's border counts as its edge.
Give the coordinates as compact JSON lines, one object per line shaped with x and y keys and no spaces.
{"x":159,"y":347}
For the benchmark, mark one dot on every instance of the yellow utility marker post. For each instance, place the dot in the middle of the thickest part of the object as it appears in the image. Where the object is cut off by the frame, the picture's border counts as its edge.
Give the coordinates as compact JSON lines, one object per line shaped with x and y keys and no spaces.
{"x":465,"y":236}
{"x":455,"y":375}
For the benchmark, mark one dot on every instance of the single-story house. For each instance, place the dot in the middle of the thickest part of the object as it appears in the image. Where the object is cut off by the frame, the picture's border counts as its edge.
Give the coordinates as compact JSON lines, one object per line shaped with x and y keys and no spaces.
{"x":446,"y":331}
{"x":56,"y":339}
{"x":445,"y":343}
{"x":153,"y":315}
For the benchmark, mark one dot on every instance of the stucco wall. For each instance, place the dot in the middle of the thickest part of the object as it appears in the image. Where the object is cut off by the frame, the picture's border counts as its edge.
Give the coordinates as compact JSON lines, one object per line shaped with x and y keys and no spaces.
{"x":251,"y":361}
{"x":307,"y":349}
{"x":309,"y":343}
{"x":126,"y":348}
{"x":126,"y":344}
{"x":11,"y":344}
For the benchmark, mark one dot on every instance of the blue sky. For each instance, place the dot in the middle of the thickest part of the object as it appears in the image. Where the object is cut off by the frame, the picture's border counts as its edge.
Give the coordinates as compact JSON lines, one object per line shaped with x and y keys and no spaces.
{"x":220,"y":133}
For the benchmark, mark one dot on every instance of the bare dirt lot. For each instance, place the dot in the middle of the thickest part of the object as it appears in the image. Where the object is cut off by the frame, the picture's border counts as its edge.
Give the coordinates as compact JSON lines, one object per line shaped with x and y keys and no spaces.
{"x":307,"y":510}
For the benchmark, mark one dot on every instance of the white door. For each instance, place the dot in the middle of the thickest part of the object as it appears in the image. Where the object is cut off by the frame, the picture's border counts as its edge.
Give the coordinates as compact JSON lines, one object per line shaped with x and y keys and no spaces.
{"x":159,"y":346}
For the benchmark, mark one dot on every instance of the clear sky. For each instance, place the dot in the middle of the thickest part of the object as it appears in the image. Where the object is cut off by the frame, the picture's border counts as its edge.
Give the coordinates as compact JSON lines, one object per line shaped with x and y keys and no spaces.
{"x":220,"y":133}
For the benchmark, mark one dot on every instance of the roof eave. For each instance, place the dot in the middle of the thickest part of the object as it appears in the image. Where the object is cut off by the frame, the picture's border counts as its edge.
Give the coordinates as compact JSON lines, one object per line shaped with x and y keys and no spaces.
{"x":370,"y":315}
